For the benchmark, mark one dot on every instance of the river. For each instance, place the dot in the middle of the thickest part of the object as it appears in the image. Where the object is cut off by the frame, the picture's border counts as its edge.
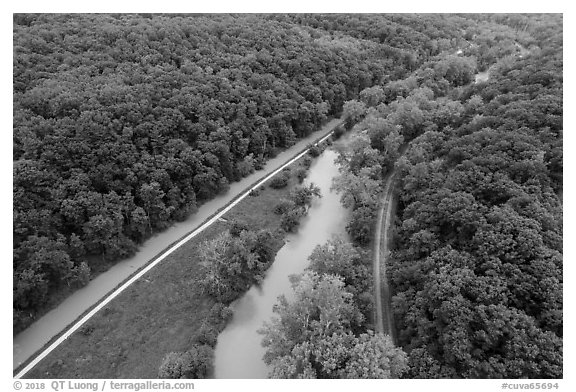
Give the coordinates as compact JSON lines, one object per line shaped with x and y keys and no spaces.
{"x":32,"y":339}
{"x":238,"y":352}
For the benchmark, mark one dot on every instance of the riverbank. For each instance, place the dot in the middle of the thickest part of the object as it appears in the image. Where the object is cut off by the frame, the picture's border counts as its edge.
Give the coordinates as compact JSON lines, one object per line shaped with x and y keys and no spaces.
{"x":160,"y":313}
{"x":239,"y":352}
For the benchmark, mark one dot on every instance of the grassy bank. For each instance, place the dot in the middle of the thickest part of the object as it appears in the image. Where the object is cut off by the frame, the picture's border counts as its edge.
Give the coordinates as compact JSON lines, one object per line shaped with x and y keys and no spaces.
{"x":161,"y":313}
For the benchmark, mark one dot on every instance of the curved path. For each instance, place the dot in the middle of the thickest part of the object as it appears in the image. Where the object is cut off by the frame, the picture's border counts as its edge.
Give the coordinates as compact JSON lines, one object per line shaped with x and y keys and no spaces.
{"x":90,"y":299}
{"x":384,"y":321}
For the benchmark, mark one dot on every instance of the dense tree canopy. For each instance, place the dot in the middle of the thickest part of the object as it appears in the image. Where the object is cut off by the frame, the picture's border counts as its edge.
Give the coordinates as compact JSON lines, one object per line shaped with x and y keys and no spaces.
{"x":234,"y":262}
{"x":477,"y":261}
{"x":123,"y":124}
{"x":312,"y":336}
{"x":126,"y":123}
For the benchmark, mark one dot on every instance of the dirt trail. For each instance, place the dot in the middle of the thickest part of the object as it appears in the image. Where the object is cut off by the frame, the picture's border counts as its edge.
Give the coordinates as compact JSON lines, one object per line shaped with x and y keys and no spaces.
{"x":384,"y":321}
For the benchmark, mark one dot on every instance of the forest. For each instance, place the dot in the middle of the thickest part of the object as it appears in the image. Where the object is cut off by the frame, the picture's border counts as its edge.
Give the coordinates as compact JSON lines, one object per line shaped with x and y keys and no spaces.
{"x":126,"y":123}
{"x":476,"y":267}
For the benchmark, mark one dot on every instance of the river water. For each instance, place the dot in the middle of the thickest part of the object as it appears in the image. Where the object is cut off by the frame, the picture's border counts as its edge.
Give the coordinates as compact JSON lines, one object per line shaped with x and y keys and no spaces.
{"x":27,"y":342}
{"x":238,"y":352}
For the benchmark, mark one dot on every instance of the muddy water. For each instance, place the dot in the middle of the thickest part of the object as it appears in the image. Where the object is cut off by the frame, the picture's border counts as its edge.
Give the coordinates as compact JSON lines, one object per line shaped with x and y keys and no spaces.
{"x":238,"y":352}
{"x":26,"y":343}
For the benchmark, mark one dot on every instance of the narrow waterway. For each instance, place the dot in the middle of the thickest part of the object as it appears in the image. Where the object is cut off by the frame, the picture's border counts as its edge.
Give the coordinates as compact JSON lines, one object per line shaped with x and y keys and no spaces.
{"x":32,"y":339}
{"x":239,"y":352}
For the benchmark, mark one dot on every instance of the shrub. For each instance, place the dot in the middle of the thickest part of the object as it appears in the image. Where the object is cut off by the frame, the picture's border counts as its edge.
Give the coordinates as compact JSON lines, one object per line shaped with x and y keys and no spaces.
{"x":207,"y":335}
{"x":284,"y":206}
{"x":259,"y":164}
{"x":291,"y":219}
{"x":86,"y":330}
{"x":338,"y":132}
{"x":264,"y":248}
{"x":220,"y":314}
{"x":314,"y":151}
{"x":280,"y":180}
{"x":301,"y":174}
{"x":237,"y":228}
{"x":195,"y":363}
{"x":302,"y":196}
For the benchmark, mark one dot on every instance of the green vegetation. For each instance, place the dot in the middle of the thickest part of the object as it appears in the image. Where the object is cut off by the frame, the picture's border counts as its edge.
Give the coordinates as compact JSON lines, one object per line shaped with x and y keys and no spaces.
{"x":480,"y":234}
{"x":314,"y":151}
{"x":124,"y":124}
{"x":322,"y":333}
{"x":291,"y":210}
{"x":152,"y":327}
{"x":280,"y":180}
{"x":359,"y":186}
{"x":339,"y":257}
{"x":476,"y":272}
{"x":194,"y":363}
{"x":233,"y":263}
